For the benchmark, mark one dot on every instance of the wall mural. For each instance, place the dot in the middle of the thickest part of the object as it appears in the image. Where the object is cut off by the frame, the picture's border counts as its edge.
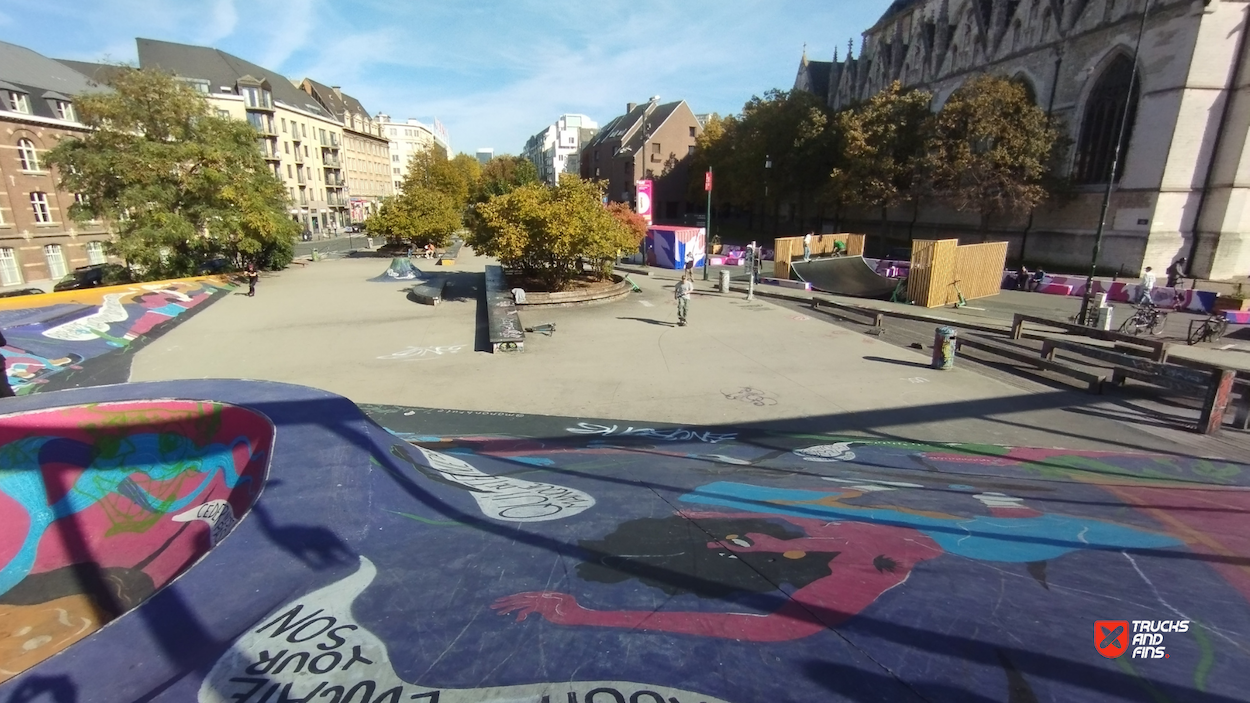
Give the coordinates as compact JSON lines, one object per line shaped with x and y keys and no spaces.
{"x":59,"y":337}
{"x":612,"y":563}
{"x":102,"y":505}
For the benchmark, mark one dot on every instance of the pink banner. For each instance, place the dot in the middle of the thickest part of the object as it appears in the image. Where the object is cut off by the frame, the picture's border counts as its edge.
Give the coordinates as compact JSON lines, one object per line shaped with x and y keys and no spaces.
{"x":644,"y":200}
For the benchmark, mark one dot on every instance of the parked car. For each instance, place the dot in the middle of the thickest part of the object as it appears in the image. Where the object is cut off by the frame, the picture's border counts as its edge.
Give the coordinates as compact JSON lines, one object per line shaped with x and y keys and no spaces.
{"x":19,"y":291}
{"x":82,"y":277}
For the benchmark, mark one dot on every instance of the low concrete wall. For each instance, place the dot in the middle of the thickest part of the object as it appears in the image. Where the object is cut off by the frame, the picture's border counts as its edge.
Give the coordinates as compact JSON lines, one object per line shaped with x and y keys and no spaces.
{"x":571,"y":298}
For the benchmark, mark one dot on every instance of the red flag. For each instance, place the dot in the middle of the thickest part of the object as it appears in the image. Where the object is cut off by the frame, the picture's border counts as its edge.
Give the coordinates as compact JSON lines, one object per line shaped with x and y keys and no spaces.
{"x":707,"y":181}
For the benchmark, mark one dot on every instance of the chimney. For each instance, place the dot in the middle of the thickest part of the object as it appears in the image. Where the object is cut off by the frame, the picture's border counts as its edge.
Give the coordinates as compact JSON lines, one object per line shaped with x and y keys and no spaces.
{"x":629,"y":107}
{"x":337,"y":91}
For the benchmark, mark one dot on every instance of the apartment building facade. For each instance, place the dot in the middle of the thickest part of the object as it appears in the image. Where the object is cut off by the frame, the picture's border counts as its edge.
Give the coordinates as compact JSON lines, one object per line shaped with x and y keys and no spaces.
{"x":408,"y":138}
{"x":38,"y":240}
{"x":301,"y":140}
{"x":366,"y":152}
{"x":652,"y":142}
{"x":558,"y":148}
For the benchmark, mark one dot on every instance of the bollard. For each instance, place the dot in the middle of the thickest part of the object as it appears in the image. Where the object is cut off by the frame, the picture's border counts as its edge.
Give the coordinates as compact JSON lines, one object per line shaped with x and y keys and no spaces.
{"x":944,"y":348}
{"x":724,"y":281}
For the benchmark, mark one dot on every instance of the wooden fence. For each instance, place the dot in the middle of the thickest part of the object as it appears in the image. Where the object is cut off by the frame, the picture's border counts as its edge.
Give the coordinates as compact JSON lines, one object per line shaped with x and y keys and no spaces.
{"x":787,"y":249}
{"x":941,"y":270}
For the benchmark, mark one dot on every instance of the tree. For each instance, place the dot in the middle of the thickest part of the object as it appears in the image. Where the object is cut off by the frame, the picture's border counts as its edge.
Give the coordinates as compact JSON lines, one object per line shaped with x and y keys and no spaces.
{"x":545,"y":232}
{"x":181,"y":185}
{"x":470,"y":170}
{"x":990,"y":149}
{"x":429,"y":170}
{"x":416,"y":217}
{"x":503,"y":174}
{"x":883,"y":144}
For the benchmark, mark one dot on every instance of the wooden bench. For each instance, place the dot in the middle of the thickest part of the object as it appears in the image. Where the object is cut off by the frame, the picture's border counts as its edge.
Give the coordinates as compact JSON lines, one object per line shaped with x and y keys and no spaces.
{"x":502,"y":319}
{"x":1093,"y":379}
{"x":428,"y":293}
{"x":838,"y":309}
{"x":1159,"y":349}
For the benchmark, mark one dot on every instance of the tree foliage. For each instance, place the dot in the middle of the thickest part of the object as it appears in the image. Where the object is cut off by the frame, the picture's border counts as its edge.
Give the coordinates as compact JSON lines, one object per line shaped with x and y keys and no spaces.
{"x":429,"y":170}
{"x":504,"y":174}
{"x":991,"y":148}
{"x":181,"y":185}
{"x":546,"y":232}
{"x":416,"y":217}
{"x":883,"y":144}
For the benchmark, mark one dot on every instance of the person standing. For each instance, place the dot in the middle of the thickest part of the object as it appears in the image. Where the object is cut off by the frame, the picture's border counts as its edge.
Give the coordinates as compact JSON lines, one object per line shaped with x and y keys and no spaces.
{"x":1147,"y":284}
{"x":682,"y":293}
{"x":807,"y":247}
{"x":252,"y":277}
{"x":1176,"y":272}
{"x":6,"y":390}
{"x":689,"y":263}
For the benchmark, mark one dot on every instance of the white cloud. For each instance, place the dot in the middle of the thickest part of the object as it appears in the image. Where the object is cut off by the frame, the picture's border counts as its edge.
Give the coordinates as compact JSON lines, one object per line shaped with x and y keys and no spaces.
{"x":223,"y":19}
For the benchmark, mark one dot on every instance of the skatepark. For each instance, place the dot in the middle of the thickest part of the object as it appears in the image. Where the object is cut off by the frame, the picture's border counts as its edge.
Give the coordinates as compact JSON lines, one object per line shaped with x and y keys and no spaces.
{"x":759,"y":506}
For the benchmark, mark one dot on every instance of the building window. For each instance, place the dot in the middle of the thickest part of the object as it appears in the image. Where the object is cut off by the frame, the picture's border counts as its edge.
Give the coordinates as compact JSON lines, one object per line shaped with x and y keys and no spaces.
{"x":223,"y":114}
{"x":39,"y":203}
{"x":95,"y":253}
{"x":288,"y":171}
{"x":303,"y":129}
{"x":10,"y":272}
{"x":396,"y":171}
{"x":56,"y":261}
{"x":655,"y":148}
{"x":17,"y":101}
{"x":395,"y":157}
{"x":284,"y":125}
{"x":690,"y":150}
{"x":27,"y":154}
{"x":63,"y":109}
{"x":286,"y":146}
{"x":305,"y":150}
{"x":692,"y":133}
{"x":1101,"y":123}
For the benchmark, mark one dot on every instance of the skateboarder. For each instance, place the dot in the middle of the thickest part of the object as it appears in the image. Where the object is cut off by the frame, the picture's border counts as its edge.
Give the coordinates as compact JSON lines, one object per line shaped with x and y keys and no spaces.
{"x":682,"y":293}
{"x":807,"y":247}
{"x":252,"y":277}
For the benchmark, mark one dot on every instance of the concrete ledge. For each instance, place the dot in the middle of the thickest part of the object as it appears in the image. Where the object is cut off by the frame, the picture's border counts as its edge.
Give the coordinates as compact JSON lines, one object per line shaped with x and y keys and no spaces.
{"x":430,"y":293}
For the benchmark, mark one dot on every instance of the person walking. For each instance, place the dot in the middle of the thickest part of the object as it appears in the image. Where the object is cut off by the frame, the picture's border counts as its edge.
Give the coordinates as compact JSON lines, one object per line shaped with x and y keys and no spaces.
{"x":252,"y":277}
{"x":1176,"y":272}
{"x":807,"y":247}
{"x":1147,"y":284}
{"x":682,"y":293}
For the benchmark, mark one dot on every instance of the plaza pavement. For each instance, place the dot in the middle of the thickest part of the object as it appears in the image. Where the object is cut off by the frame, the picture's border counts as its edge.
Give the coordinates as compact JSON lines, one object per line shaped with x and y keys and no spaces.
{"x":326,"y":325}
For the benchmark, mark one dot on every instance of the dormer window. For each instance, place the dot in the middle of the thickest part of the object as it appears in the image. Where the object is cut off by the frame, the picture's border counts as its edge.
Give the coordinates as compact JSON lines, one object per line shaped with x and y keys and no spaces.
{"x":16,"y":102}
{"x":63,"y":109}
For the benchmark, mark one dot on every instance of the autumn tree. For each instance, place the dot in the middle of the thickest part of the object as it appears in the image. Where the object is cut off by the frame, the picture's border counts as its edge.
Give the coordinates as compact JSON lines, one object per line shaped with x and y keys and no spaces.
{"x":546,"y":232}
{"x":503,"y":174}
{"x":990,"y":149}
{"x":429,"y":170}
{"x":181,"y":185}
{"x":883,"y":144}
{"x":416,"y":217}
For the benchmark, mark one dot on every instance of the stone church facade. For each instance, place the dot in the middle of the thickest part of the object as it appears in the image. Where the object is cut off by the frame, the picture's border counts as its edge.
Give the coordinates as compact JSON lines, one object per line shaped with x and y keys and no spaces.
{"x":1183,"y":186}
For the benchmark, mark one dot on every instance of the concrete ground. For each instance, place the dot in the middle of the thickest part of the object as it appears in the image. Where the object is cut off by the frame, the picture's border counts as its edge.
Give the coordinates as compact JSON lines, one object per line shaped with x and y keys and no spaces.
{"x":328,"y":326}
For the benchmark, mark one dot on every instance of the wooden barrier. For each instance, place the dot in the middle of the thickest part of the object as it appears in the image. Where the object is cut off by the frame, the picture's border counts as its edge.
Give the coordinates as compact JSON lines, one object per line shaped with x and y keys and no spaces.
{"x":942,"y":270}
{"x":1158,"y":349}
{"x":837,"y":310}
{"x":1093,"y":379}
{"x":932,"y":271}
{"x":787,"y":249}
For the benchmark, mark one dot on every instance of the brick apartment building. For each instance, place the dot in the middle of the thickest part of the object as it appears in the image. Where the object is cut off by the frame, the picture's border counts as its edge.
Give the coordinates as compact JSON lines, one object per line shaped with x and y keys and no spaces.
{"x":650,"y":141}
{"x":38,"y":240}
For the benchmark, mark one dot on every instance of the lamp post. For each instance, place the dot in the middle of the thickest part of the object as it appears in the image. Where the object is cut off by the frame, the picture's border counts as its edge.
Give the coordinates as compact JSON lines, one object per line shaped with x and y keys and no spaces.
{"x":1086,"y":316}
{"x":768,"y":166}
{"x":707,"y":229}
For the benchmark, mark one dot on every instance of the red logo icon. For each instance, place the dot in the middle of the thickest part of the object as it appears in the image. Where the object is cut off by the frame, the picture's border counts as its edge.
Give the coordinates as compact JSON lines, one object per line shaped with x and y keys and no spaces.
{"x":1111,"y":637}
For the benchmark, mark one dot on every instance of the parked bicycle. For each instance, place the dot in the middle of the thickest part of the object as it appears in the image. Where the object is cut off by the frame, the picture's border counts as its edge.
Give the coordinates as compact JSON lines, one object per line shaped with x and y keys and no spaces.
{"x":1208,"y":330}
{"x":1145,"y":317}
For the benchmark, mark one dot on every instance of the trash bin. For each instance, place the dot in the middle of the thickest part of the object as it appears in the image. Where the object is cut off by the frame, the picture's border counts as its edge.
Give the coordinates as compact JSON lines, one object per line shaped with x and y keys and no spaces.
{"x":724,"y":281}
{"x":370,"y":241}
{"x":944,"y":348}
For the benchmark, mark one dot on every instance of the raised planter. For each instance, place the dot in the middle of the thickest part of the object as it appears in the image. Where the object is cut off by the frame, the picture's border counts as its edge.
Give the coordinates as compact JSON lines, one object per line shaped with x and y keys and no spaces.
{"x":620,"y":289}
{"x":1224,"y":302}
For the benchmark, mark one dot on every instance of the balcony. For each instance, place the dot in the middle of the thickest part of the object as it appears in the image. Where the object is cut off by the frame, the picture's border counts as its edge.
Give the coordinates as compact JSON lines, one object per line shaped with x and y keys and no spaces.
{"x":299,"y":177}
{"x":299,"y":158}
{"x":330,"y":161}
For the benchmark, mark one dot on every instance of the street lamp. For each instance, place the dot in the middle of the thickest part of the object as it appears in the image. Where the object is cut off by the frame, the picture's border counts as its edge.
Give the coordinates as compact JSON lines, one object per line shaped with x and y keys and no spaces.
{"x":1087,"y":316}
{"x":768,"y":166}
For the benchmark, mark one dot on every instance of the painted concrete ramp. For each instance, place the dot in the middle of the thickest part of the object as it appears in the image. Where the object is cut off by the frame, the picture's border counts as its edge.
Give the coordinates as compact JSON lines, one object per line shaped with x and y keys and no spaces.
{"x":487,"y":557}
{"x":844,"y":275}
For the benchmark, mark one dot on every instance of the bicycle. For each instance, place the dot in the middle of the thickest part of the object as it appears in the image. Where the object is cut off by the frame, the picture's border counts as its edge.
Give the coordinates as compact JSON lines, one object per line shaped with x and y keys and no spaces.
{"x":1145,"y":317}
{"x":1208,"y":330}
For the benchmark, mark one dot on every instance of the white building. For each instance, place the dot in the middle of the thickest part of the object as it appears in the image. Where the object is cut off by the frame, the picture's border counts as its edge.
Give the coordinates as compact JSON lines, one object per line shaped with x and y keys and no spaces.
{"x":1181,"y":187}
{"x":408,"y":138}
{"x":557,"y":149}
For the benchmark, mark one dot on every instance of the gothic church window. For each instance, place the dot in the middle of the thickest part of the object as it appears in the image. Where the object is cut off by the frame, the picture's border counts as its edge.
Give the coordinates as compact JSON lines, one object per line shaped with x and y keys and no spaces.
{"x":1100,"y":125}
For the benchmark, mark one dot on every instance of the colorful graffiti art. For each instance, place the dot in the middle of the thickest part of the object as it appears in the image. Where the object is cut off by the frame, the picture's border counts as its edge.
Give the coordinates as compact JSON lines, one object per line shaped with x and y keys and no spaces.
{"x":593,"y":561}
{"x":59,"y":337}
{"x":102,"y":505}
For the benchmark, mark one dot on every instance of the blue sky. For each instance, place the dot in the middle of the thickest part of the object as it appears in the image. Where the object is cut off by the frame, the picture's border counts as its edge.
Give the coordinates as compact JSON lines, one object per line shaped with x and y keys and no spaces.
{"x":492,"y":72}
